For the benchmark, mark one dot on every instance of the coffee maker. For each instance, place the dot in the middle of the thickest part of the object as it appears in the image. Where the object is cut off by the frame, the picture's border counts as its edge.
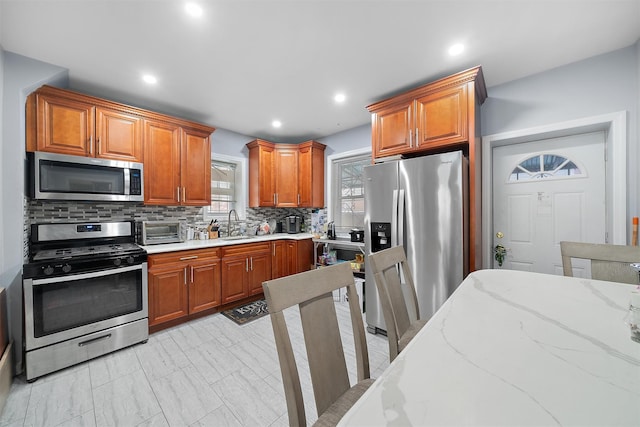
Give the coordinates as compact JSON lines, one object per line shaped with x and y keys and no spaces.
{"x":292,"y":224}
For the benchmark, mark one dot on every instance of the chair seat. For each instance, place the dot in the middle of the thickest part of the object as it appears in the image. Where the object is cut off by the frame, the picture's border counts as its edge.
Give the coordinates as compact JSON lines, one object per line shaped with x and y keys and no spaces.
{"x":414,"y":328}
{"x":336,"y":411}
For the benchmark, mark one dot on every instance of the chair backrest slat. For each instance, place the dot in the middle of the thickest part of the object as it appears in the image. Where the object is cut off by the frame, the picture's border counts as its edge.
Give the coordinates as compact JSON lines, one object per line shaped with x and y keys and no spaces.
{"x":608,"y":262}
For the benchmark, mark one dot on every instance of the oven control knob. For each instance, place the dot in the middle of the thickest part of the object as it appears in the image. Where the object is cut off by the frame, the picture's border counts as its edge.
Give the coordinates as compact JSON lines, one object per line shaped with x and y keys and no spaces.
{"x":130,"y":260}
{"x":117,"y":262}
{"x":66,"y":268}
{"x":48,"y":270}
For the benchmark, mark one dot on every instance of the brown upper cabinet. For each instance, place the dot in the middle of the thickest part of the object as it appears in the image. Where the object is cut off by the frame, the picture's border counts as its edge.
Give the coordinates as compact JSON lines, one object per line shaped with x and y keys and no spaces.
{"x":177,"y":167}
{"x":176,"y":153}
{"x":67,"y":122}
{"x":286,"y":175}
{"x":430,"y":117}
{"x":440,"y":116}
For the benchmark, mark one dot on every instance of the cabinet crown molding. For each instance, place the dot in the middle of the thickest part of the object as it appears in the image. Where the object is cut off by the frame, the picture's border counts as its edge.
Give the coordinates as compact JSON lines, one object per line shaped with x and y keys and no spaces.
{"x":101,"y":102}
{"x":470,"y":75}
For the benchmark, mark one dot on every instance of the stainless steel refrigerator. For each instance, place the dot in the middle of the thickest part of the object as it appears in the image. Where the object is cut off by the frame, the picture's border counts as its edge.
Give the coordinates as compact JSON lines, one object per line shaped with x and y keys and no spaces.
{"x":421,"y":204}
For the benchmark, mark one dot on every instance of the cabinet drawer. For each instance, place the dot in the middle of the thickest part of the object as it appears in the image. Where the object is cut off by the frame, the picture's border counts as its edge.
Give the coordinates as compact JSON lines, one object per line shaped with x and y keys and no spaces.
{"x":183,"y":256}
{"x":246,"y":249}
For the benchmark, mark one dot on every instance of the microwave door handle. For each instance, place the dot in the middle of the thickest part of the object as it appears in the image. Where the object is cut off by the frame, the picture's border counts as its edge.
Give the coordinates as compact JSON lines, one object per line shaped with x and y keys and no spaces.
{"x":127,"y":180}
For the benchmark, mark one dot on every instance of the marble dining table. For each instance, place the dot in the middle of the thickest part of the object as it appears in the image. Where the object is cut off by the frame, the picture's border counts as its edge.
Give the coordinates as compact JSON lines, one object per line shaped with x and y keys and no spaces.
{"x":513,"y":348}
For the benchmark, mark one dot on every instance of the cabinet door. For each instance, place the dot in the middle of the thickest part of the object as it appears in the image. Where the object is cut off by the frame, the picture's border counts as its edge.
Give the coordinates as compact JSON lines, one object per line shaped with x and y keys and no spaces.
{"x":65,"y":126}
{"x":305,"y":255}
{"x":234,"y":279}
{"x":195,"y":169}
{"x":442,"y":117}
{"x":161,"y":163}
{"x":118,"y":135}
{"x":204,"y":288}
{"x":262,"y":179}
{"x":392,"y":130}
{"x":286,"y":177}
{"x":292,"y":257}
{"x":278,"y":259}
{"x":168,"y":294}
{"x":311,"y":175}
{"x":259,"y":271}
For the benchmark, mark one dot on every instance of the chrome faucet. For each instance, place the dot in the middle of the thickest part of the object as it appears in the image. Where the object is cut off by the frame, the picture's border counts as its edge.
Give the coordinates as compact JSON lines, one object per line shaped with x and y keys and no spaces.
{"x":229,"y":221}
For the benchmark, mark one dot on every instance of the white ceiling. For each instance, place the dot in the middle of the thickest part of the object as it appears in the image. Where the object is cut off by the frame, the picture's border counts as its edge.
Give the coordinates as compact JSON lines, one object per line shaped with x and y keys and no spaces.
{"x":245,"y":63}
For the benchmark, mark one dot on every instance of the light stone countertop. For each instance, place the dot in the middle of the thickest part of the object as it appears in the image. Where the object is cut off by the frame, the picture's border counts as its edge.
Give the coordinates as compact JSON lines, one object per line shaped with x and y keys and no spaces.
{"x":214,"y":243}
{"x":514,"y":348}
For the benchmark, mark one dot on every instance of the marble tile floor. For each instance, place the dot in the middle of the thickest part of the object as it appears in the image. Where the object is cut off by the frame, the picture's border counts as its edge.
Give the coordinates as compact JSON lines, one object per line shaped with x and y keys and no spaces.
{"x":208,"y":372}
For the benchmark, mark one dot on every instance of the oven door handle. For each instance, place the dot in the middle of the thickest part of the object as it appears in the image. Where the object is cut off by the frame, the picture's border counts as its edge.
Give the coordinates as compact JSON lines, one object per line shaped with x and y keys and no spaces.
{"x":82,"y":276}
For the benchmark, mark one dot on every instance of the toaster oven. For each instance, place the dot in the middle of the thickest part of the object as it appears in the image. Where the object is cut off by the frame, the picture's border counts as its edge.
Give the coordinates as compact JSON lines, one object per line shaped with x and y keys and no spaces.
{"x":158,"y":232}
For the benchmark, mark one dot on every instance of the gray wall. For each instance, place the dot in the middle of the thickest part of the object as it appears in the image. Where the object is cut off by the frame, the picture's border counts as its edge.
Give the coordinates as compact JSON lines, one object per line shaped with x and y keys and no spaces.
{"x":599,"y":85}
{"x":350,"y":139}
{"x":229,"y":143}
{"x":21,"y":76}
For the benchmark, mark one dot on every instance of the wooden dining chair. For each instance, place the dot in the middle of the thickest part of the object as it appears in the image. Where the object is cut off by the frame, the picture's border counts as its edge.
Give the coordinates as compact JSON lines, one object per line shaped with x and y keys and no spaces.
{"x":387,"y":266}
{"x":312,"y":291}
{"x":608,"y":262}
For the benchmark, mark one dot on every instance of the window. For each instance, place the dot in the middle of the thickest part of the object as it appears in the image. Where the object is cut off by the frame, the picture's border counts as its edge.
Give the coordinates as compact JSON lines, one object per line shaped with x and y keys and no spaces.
{"x":223,"y":188}
{"x":347,"y":195}
{"x":544,"y":166}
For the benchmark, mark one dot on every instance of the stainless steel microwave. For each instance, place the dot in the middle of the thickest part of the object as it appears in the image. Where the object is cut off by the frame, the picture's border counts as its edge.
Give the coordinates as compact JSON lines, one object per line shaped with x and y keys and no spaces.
{"x":62,"y":177}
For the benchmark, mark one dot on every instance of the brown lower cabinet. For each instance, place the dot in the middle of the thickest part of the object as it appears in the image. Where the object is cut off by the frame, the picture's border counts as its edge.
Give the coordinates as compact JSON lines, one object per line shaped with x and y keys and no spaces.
{"x":187,"y":284}
{"x":290,"y":257}
{"x":182,"y":284}
{"x":244,"y":268}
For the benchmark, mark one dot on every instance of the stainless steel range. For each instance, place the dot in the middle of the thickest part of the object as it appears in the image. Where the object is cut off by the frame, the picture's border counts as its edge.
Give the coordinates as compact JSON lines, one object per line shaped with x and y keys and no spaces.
{"x":85,"y":294}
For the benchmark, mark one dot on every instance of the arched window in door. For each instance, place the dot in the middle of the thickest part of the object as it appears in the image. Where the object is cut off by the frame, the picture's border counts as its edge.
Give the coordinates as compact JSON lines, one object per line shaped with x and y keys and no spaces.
{"x":545,"y":166}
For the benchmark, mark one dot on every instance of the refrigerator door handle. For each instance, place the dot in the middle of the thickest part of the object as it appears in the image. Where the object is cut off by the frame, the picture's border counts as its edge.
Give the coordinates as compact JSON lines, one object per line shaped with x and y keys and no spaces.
{"x":400,"y":230}
{"x":394,"y":219}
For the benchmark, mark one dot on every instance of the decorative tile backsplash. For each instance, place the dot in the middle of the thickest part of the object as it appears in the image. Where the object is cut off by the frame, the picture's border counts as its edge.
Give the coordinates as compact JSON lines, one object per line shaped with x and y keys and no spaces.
{"x":45,"y":211}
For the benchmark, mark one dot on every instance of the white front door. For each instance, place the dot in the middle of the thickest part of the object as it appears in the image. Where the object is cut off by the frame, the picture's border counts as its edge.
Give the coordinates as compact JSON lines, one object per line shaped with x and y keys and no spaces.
{"x":544,"y":192}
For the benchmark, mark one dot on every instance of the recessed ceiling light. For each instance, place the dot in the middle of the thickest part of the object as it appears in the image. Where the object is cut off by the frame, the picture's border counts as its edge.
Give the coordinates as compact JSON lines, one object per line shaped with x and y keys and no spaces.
{"x":276,"y":123}
{"x":456,"y":49}
{"x":340,"y":98}
{"x":148,"y":78}
{"x":193,"y":9}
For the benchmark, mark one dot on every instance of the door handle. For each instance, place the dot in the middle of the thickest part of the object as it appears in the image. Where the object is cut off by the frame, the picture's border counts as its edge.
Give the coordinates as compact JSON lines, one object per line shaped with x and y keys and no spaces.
{"x":246,"y":264}
{"x":251,"y":263}
{"x":185,"y":275}
{"x":400,"y":231}
{"x":184,"y":194}
{"x":191,"y":274}
{"x":394,"y":219}
{"x":178,"y":191}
